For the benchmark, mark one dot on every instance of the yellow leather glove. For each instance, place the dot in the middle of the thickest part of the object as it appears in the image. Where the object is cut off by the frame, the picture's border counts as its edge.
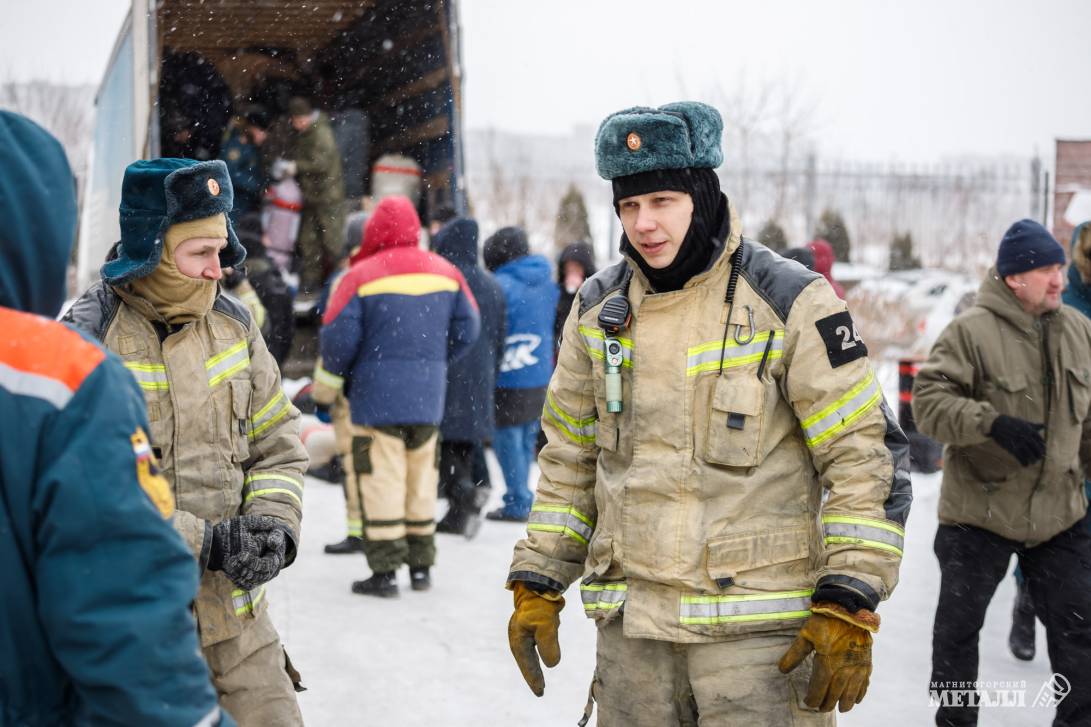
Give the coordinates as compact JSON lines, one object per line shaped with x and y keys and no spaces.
{"x":842,"y":664}
{"x":534,"y":624}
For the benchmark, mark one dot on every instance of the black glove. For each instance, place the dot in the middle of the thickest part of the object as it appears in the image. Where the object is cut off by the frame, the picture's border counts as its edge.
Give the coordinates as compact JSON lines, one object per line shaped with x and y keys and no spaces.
{"x":241,"y":549}
{"x":1019,"y":437}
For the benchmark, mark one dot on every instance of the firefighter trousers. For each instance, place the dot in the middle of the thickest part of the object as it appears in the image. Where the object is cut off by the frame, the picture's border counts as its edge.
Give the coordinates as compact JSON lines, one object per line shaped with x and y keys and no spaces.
{"x":397,"y":473}
{"x":251,"y":677}
{"x":648,"y":683}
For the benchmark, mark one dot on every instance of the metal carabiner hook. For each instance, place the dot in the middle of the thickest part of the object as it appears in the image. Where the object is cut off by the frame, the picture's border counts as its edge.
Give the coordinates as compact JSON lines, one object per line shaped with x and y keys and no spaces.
{"x":738,"y":327}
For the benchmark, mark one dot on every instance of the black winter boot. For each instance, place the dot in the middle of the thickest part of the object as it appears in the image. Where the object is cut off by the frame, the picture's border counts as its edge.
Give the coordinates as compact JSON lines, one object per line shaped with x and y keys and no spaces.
{"x":382,"y":585}
{"x":420,"y":579}
{"x":351,"y":544}
{"x":1021,"y":640}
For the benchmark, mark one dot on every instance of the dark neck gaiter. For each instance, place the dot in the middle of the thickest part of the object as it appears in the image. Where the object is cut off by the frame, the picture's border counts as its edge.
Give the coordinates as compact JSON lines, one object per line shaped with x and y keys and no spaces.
{"x":709,"y":217}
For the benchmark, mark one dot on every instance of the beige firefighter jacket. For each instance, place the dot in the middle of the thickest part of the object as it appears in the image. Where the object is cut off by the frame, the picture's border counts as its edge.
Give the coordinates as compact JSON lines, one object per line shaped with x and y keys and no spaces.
{"x":226,"y":435}
{"x":997,"y":359}
{"x":718,"y":499}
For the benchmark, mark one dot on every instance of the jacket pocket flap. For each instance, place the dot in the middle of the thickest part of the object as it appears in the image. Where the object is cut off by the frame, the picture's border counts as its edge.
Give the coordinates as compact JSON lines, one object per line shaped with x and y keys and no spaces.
{"x":738,"y":396}
{"x":1012,"y":382}
{"x":1080,"y":376}
{"x":240,"y":398}
{"x":733,"y":554}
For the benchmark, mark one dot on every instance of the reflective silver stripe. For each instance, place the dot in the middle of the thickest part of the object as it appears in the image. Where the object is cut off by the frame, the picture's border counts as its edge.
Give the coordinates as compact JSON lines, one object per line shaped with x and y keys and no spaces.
{"x":561,"y":519}
{"x":246,"y":601}
{"x":151,"y":377}
{"x":706,"y":357}
{"x":581,"y":431}
{"x":327,"y":379}
{"x":269,"y":414}
{"x":228,"y":362}
{"x":41,"y":387}
{"x":596,"y":341}
{"x":758,"y":607}
{"x":845,"y":530}
{"x":836,"y":417}
{"x":603,"y":596}
{"x":211,"y":719}
{"x":271,"y":483}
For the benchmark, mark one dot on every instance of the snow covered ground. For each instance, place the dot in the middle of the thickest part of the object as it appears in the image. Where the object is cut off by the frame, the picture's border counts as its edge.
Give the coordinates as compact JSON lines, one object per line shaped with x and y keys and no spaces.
{"x":441,"y":657}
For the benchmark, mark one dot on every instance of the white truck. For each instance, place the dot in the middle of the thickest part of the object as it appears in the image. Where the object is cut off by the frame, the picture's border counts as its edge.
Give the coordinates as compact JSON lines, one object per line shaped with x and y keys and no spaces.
{"x":388,"y":72}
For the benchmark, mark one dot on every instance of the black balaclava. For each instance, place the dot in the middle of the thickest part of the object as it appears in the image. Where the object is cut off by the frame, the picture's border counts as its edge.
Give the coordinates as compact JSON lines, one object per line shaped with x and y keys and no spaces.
{"x":709,"y":218}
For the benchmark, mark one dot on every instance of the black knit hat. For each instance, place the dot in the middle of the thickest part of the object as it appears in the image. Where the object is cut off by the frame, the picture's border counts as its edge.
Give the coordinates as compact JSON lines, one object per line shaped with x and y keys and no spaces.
{"x":1026,"y":246}
{"x":505,"y":245}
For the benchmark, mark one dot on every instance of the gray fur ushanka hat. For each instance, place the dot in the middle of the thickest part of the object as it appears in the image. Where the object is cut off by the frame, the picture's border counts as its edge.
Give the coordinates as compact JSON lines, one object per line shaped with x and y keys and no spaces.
{"x":680,"y":135}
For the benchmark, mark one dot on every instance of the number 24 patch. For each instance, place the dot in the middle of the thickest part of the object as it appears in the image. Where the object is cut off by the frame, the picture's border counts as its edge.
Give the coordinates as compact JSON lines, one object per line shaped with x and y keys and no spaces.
{"x":843,"y":342}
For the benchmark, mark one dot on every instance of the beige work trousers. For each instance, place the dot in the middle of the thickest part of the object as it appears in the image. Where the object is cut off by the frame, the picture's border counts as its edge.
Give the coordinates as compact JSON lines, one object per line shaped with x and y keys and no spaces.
{"x":397,"y":474}
{"x":342,"y":434}
{"x":250,"y":677}
{"x":648,"y":683}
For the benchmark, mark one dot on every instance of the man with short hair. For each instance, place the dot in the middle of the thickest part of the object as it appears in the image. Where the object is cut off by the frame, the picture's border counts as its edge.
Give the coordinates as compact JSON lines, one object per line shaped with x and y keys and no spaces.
{"x":722,"y":473}
{"x":316,"y":164}
{"x":1007,"y":389}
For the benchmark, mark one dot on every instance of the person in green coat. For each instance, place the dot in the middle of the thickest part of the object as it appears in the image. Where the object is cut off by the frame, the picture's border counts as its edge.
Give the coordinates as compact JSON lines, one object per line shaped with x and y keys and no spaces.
{"x":316,"y":163}
{"x":1007,"y":389}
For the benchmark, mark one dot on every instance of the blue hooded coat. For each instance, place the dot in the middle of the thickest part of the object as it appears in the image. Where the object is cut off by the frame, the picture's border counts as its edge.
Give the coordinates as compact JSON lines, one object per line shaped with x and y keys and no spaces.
{"x":1078,"y":292}
{"x":95,"y":626}
{"x":531,"y":297}
{"x":468,"y":412}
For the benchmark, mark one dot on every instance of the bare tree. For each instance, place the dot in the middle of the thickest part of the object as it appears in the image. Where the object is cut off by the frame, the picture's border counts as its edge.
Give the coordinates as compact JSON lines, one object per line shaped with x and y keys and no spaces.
{"x":65,"y":111}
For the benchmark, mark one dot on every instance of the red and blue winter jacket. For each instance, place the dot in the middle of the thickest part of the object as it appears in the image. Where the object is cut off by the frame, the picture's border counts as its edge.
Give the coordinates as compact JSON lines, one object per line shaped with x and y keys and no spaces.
{"x":393,"y":323}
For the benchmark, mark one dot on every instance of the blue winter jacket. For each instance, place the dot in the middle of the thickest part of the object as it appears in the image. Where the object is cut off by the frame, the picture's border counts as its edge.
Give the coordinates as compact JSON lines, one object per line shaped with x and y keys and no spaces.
{"x":531,"y":297}
{"x":1078,"y":293}
{"x":95,"y":626}
{"x":468,"y":415}
{"x":394,"y":322}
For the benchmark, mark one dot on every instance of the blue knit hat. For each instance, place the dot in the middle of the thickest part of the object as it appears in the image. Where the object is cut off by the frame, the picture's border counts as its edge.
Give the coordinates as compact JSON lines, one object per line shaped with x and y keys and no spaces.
{"x":1026,"y":246}
{"x":158,"y":193}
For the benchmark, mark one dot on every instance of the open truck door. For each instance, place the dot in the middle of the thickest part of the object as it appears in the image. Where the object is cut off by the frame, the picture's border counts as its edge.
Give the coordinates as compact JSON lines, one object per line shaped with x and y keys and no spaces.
{"x":387,"y":72}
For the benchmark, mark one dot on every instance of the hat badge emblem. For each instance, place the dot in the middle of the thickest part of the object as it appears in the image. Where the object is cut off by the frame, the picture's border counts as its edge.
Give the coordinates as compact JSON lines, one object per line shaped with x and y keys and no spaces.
{"x":213,"y":187}
{"x":633,"y":141}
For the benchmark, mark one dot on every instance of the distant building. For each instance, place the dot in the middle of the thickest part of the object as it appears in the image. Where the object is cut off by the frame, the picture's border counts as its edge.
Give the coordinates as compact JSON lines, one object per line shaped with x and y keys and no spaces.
{"x":1072,"y":187}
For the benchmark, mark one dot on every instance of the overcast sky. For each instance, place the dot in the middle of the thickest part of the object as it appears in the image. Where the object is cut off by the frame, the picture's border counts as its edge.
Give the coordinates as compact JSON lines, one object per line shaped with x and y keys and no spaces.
{"x":889,"y":80}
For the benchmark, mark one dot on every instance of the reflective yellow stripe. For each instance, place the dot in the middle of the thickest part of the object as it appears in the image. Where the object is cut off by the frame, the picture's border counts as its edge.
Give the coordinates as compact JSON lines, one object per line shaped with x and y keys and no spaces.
{"x":603,"y":596}
{"x":269,"y":414}
{"x":327,"y":379}
{"x":294,"y":490}
{"x":706,"y":357}
{"x":595,"y":340}
{"x":580,"y":431}
{"x":562,"y":519}
{"x":151,"y":377}
{"x":228,"y":362}
{"x":864,"y":532}
{"x":836,"y":417}
{"x":780,"y":606}
{"x":244,"y":601}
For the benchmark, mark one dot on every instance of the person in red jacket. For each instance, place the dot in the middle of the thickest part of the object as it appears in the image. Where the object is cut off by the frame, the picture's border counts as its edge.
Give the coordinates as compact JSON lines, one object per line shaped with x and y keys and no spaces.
{"x":823,"y":263}
{"x":394,"y":322}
